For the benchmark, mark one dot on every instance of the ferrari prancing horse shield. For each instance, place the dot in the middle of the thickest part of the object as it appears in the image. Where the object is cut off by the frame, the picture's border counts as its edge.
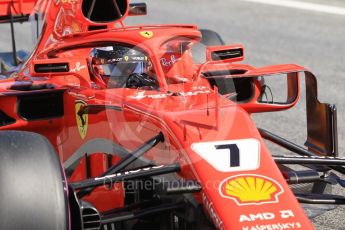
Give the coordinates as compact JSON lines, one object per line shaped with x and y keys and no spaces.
{"x":82,"y":119}
{"x":146,"y":34}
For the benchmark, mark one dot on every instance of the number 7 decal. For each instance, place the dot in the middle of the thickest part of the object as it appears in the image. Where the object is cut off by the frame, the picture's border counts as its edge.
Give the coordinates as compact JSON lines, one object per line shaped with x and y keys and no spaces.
{"x":234,"y":154}
{"x":230,"y":155}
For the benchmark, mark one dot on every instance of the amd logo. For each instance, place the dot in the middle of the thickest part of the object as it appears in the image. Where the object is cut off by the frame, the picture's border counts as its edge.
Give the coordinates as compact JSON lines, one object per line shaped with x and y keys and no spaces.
{"x":255,"y":217}
{"x":284,"y":214}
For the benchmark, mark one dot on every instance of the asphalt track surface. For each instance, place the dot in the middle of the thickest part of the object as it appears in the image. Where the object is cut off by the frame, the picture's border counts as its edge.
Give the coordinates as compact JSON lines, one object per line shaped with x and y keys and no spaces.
{"x":272,"y":34}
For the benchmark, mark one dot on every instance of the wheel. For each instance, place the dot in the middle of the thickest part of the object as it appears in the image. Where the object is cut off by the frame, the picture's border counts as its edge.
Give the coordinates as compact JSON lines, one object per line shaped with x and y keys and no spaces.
{"x":209,"y":38}
{"x":32,"y":191}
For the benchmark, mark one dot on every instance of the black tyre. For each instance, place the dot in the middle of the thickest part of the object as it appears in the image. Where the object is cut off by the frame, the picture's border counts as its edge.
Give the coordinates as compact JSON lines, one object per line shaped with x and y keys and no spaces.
{"x":32,"y":189}
{"x":209,"y":38}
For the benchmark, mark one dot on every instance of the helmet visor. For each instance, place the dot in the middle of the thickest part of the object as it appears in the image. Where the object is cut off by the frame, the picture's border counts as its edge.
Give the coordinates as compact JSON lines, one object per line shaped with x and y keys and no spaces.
{"x":123,"y":69}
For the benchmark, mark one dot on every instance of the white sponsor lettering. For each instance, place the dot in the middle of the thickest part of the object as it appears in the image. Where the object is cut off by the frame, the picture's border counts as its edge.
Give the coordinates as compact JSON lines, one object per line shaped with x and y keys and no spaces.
{"x":138,"y":58}
{"x":255,"y":217}
{"x":168,"y":63}
{"x":78,"y":67}
{"x":286,"y":214}
{"x":142,"y":95}
{"x":277,"y":226}
{"x":128,"y":172}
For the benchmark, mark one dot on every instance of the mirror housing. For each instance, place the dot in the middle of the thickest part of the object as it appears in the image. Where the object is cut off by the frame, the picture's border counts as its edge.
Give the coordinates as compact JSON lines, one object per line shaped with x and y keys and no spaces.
{"x":58,"y":66}
{"x":44,"y":67}
{"x":74,"y":70}
{"x":243,"y":84}
{"x":228,"y":53}
{"x":322,"y":134}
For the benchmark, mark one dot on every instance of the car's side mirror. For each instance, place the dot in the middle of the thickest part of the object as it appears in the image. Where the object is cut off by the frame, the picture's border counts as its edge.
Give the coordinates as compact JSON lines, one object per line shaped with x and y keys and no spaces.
{"x":49,"y":66}
{"x":58,"y":66}
{"x":278,"y":89}
{"x":74,"y":70}
{"x":269,"y":92}
{"x":266,"y":89}
{"x":227,"y":53}
{"x":275,"y":88}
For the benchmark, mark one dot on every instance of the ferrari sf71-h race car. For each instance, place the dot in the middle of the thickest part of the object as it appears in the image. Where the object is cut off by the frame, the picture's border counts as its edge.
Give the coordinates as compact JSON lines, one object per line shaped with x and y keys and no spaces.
{"x":107,"y":126}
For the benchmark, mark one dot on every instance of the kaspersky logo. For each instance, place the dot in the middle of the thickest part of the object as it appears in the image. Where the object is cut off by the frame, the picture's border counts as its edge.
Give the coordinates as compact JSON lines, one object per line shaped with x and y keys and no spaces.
{"x":251,"y":189}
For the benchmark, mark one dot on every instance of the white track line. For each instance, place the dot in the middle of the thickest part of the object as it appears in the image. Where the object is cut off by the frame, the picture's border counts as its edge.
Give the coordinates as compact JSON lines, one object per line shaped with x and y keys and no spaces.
{"x":303,"y":5}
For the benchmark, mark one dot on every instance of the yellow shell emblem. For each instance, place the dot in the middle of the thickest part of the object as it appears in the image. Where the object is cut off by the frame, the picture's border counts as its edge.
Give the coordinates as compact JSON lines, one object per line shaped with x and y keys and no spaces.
{"x":82,"y":119}
{"x":146,"y":34}
{"x":250,"y":189}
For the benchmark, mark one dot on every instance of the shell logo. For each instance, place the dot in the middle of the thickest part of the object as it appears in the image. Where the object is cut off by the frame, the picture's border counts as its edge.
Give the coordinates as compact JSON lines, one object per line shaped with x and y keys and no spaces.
{"x":251,"y":189}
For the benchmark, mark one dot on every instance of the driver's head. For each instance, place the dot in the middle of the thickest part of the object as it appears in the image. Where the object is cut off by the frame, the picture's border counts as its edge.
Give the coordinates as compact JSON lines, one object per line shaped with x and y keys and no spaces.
{"x":114,"y":64}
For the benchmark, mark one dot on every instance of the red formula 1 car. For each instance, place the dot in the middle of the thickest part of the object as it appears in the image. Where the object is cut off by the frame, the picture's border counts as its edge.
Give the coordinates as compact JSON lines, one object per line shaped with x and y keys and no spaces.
{"x":112,"y":127}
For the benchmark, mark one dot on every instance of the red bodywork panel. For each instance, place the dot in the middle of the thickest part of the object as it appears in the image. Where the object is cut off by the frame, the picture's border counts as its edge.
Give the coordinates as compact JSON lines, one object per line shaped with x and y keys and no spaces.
{"x":197,"y":123}
{"x":17,"y":7}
